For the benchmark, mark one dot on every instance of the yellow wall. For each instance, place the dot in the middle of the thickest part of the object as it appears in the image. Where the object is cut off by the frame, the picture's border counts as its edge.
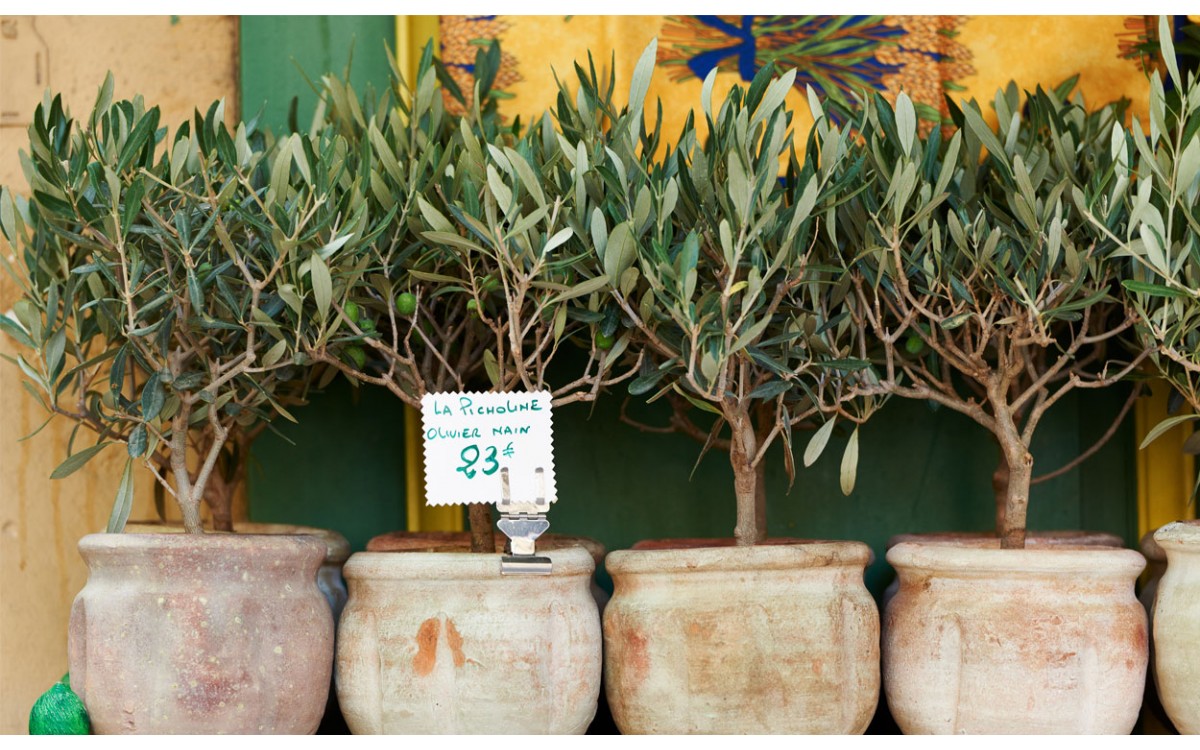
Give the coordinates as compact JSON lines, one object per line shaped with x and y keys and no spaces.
{"x":177,"y":64}
{"x":1165,"y":472}
{"x":412,"y":34}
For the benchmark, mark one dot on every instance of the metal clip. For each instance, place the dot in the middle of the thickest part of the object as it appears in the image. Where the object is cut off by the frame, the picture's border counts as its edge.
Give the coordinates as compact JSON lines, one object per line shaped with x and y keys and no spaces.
{"x":523,"y":523}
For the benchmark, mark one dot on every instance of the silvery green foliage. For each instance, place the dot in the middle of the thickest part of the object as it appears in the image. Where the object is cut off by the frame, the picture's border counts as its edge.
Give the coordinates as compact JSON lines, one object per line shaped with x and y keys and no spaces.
{"x":516,"y":225}
{"x":713,"y":264}
{"x":977,"y":272}
{"x":144,"y":266}
{"x":741,"y":314}
{"x":1160,"y":181}
{"x":400,"y":151}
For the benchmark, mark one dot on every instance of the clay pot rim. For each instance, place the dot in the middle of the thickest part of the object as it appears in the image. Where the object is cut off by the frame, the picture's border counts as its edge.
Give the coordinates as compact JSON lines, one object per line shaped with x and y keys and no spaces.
{"x":713,"y":542}
{"x":1179,"y":536}
{"x":219,"y":543}
{"x":817,"y":554}
{"x":970,"y":560}
{"x":337,"y":547}
{"x":1041,"y":539}
{"x":1151,"y":549}
{"x":458,"y":566}
{"x":443,"y":542}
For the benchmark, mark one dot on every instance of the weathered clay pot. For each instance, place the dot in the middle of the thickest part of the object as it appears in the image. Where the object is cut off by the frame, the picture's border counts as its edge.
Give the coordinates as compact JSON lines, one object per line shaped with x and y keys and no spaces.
{"x":329,"y":575}
{"x":981,"y":640}
{"x":460,"y":541}
{"x":1177,"y":626}
{"x":433,"y":643}
{"x":201,"y":633}
{"x":1156,"y":566}
{"x":767,"y":639}
{"x":1034,"y":539}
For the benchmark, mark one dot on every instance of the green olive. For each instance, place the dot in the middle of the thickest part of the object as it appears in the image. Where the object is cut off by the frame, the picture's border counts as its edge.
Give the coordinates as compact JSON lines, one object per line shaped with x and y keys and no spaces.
{"x":406,"y":303}
{"x":357,"y":356}
{"x":605,"y":341}
{"x":472,"y":307}
{"x":352,"y":311}
{"x":913,"y":344}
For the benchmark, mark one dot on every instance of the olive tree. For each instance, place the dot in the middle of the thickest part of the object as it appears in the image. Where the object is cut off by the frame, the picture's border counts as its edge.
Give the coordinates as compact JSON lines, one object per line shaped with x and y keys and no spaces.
{"x":975,"y":270}
{"x":518,"y":235}
{"x":1158,"y":178}
{"x":715,"y":265}
{"x":145,"y":269}
{"x":472,"y":277}
{"x":370,"y":310}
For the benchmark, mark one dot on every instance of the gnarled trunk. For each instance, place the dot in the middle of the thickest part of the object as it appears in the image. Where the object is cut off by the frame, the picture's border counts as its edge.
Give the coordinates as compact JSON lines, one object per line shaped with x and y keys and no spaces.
{"x":218,"y":495}
{"x":189,"y":503}
{"x":1016,"y":499}
{"x":1000,"y":491}
{"x":1019,"y":461}
{"x":479,"y":518}
{"x":748,"y":487}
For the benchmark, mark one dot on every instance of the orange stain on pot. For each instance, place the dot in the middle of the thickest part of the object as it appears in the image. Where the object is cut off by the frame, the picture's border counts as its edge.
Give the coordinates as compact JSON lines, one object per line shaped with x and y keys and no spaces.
{"x":455,"y":641}
{"x":427,"y":638}
{"x":635,"y":653}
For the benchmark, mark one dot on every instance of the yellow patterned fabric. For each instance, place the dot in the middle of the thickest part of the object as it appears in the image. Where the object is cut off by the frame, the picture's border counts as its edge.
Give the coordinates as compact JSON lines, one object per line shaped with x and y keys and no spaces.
{"x":927,"y":56}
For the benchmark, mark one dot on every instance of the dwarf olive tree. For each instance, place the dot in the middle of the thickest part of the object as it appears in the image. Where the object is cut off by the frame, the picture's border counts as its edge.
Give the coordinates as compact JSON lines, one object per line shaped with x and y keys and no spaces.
{"x":1158,"y":179}
{"x":976,"y":271}
{"x":146,"y":271}
{"x":715,"y":265}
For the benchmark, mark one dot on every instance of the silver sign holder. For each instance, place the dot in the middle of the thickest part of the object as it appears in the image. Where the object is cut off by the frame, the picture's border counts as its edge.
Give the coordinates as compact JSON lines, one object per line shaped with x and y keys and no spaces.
{"x":523,"y":522}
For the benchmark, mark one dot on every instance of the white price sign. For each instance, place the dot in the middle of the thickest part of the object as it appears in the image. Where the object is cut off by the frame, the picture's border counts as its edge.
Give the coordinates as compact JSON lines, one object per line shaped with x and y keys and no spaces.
{"x":475,"y":441}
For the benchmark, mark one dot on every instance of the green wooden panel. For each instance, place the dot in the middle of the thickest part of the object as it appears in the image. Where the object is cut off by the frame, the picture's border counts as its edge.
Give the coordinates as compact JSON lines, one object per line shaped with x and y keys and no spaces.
{"x":343,"y":468}
{"x":921,"y":470}
{"x":275,"y":49}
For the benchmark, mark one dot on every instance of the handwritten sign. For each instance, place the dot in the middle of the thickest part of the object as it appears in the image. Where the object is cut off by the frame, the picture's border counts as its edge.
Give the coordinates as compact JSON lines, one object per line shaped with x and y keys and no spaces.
{"x":475,"y":442}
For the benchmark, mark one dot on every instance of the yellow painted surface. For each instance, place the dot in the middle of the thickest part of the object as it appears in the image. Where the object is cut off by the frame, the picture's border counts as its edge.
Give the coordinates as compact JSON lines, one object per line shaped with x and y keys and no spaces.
{"x":1047,"y":50}
{"x":178,"y":65}
{"x":1165,"y":473}
{"x":412,"y":32}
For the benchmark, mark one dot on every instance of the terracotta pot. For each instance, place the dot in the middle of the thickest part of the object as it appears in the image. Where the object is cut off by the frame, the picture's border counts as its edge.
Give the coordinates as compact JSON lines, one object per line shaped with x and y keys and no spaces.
{"x":1177,"y":626}
{"x":460,"y":541}
{"x":764,"y":639}
{"x":981,"y":640}
{"x":1156,"y":566}
{"x":329,"y":575}
{"x":201,"y":633}
{"x":434,"y":643}
{"x":1034,"y":539}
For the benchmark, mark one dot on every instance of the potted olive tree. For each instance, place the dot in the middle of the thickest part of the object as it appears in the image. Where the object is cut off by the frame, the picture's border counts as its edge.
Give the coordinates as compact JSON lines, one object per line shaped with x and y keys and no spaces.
{"x":1158,"y":183}
{"x":715,"y":271}
{"x":977,"y":246}
{"x":145,"y":269}
{"x":1006,"y":102}
{"x":475,"y":283}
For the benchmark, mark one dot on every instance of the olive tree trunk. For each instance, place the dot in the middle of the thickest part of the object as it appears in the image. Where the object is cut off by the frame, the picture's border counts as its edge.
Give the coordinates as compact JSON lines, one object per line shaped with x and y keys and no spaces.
{"x":479,"y":518}
{"x":1000,"y":491}
{"x":749,"y":489}
{"x":218,"y":495}
{"x":189,"y":503}
{"x":1019,"y":461}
